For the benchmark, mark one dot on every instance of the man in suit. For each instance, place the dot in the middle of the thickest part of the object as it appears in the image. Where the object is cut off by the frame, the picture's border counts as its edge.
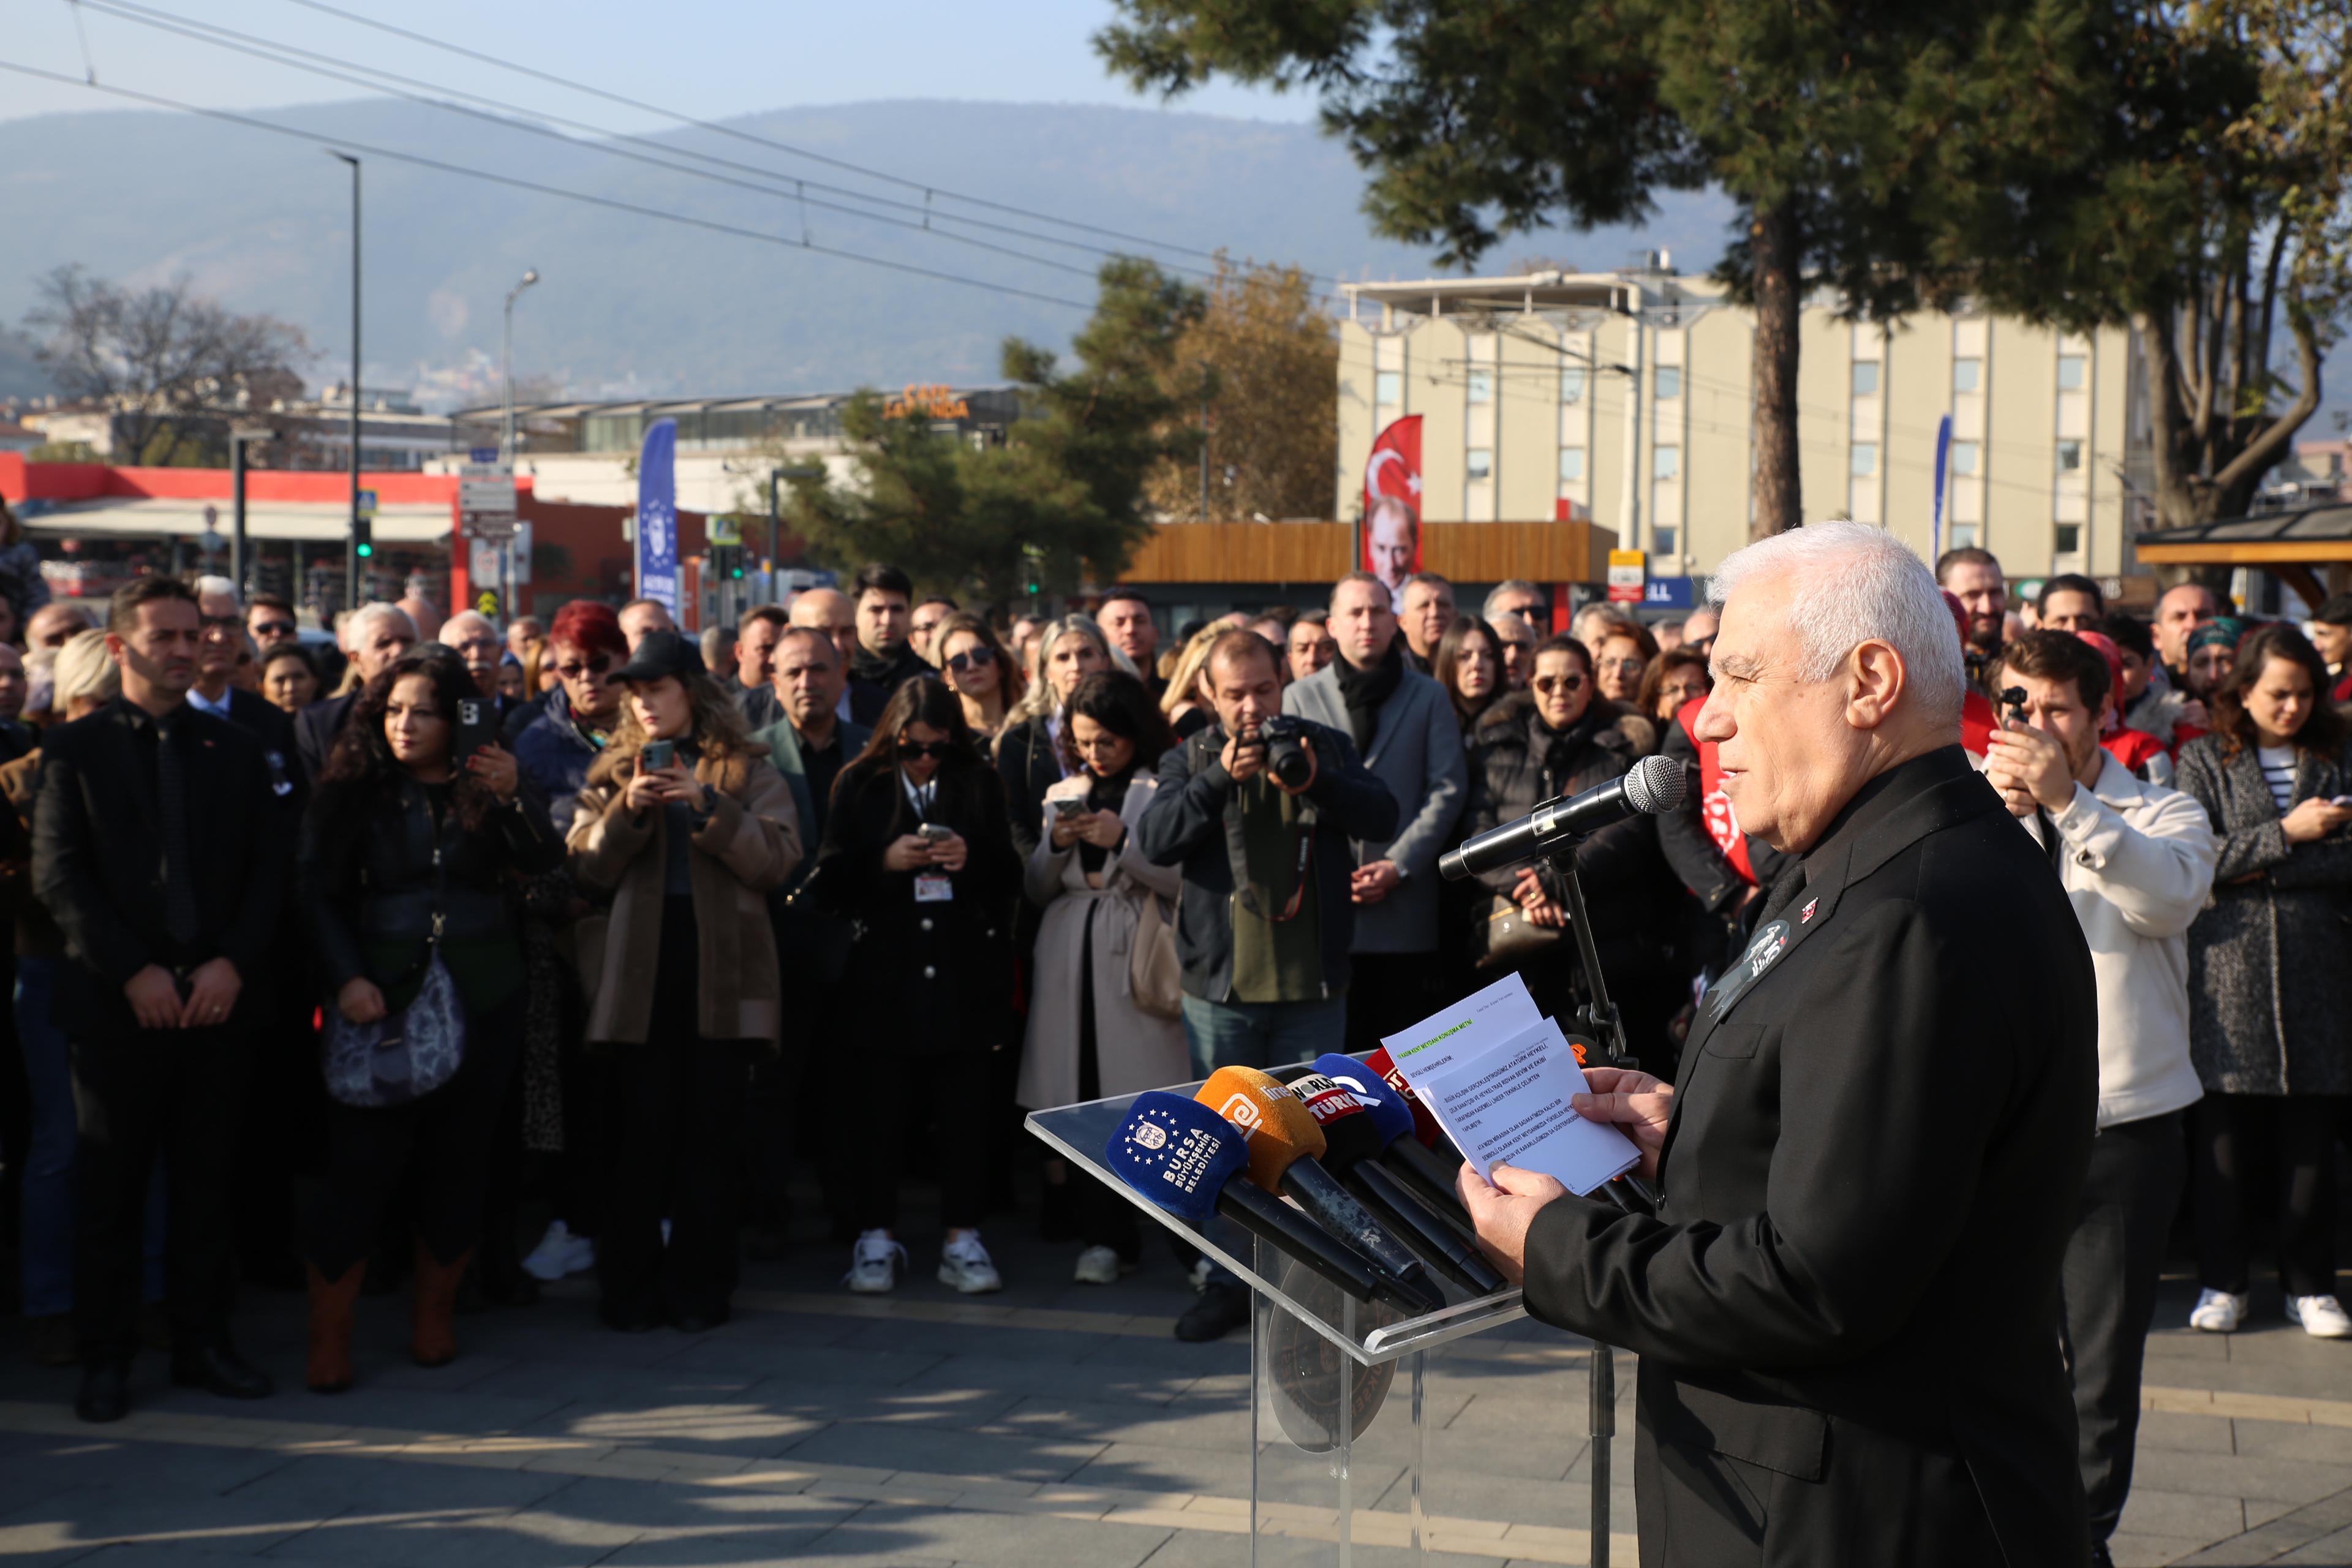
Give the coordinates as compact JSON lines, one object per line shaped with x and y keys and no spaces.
{"x":159,"y":849}
{"x":752,"y":683}
{"x":1403,"y":724}
{"x":1847,"y":1304}
{"x":220,"y":638}
{"x":375,"y":636}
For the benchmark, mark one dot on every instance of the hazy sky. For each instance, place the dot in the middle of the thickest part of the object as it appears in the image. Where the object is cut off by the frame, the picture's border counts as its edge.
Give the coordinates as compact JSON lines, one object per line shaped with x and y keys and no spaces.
{"x":710,"y":58}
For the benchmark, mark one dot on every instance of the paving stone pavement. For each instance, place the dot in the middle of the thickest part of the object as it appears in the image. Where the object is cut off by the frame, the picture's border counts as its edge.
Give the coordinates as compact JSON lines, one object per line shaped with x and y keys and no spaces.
{"x":1052,"y":1425}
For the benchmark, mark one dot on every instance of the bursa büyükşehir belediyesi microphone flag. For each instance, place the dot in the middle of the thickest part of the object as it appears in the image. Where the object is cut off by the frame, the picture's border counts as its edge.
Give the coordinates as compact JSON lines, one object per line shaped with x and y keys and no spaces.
{"x":1176,"y":1154}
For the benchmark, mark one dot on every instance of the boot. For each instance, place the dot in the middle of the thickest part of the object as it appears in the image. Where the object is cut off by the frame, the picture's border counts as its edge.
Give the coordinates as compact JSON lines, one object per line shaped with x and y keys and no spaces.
{"x":433,"y":1342}
{"x":332,"y":1301}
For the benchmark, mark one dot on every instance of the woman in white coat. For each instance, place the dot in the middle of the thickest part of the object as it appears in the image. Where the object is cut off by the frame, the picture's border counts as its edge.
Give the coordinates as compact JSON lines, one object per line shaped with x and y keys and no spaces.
{"x":1087,"y":1038}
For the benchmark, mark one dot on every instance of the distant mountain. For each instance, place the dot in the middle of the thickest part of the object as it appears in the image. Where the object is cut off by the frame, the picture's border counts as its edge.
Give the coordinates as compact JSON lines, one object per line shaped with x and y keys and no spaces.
{"x":631,"y":305}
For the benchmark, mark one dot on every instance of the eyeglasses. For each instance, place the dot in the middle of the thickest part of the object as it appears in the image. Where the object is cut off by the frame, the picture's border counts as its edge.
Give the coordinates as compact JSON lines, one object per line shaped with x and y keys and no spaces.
{"x":925,"y":748}
{"x":1547,"y":684}
{"x":266,"y":629}
{"x":972,"y":658}
{"x":1624,"y":665}
{"x":1105,"y":741}
{"x":575,"y":670}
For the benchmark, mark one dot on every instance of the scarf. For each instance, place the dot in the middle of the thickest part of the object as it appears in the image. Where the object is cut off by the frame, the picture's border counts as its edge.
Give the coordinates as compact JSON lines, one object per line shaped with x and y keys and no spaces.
{"x":1364,"y":690}
{"x":1104,"y":795}
{"x":1556,"y":749}
{"x":876,"y":668}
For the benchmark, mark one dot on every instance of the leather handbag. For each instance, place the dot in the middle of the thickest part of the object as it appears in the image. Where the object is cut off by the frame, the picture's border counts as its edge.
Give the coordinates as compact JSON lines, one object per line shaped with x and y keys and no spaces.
{"x":1501,"y":935}
{"x":405,"y":1055}
{"x":1155,"y":976}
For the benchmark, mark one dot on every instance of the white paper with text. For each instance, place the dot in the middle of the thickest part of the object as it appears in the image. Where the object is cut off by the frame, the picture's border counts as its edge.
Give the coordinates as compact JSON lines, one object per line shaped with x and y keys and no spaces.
{"x":1470,"y":1027}
{"x":1509,"y":1105}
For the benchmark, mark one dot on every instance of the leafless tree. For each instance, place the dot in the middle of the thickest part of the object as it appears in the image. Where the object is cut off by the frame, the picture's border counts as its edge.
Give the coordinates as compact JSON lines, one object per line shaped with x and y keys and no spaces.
{"x":175,"y":368}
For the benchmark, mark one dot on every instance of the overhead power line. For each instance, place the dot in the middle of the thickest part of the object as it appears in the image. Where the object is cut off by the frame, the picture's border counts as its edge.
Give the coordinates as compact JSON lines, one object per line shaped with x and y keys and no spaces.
{"x":536,"y":188}
{"x":716,"y":128}
{"x":511,"y":116}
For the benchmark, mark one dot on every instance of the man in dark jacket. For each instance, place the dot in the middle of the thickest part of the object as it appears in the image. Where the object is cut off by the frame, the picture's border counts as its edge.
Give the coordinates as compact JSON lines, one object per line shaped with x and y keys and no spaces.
{"x":158,"y":850}
{"x":1846,"y":1304}
{"x":375,"y":636}
{"x":884,"y":660}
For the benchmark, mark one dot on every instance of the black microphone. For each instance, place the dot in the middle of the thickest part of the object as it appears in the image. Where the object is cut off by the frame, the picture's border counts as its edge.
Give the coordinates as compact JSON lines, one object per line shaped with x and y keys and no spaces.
{"x":1352,"y":1148}
{"x":1655,"y":787}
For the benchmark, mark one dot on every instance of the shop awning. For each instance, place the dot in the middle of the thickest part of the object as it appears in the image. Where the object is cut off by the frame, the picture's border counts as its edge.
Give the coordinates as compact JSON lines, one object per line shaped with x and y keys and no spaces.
{"x":2286,"y":544}
{"x":276,"y":522}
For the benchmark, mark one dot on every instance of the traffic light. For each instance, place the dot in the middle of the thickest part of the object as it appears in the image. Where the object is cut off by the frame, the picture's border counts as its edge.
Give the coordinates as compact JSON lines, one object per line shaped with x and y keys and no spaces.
{"x":364,"y":537}
{"x":727,"y":562}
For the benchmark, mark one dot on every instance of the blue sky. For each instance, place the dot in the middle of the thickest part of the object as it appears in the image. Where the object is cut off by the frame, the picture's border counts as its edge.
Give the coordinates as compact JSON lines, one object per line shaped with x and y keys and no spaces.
{"x":714,"y":57}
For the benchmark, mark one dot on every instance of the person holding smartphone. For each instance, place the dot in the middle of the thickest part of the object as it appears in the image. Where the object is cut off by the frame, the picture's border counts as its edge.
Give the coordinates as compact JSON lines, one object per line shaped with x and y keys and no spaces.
{"x":918,"y":857}
{"x":687,"y":826}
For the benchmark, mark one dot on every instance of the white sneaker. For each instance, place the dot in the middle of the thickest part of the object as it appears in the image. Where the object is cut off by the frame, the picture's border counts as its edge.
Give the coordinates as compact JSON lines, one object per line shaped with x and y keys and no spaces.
{"x":964,"y":1263}
{"x":1199,"y":1278}
{"x":2220,"y":1313}
{"x":2322,"y":1317}
{"x":1098,"y":1266}
{"x":875,"y":1263}
{"x":560,"y":1253}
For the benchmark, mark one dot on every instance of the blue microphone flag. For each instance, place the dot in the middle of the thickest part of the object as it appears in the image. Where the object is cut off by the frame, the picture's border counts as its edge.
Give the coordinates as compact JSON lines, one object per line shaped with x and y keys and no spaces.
{"x":1176,"y":1153}
{"x":1391,"y":1118}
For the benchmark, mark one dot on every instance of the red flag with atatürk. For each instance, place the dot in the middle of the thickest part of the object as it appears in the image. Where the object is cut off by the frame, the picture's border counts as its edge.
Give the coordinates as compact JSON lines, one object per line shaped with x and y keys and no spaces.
{"x":1392,"y":504}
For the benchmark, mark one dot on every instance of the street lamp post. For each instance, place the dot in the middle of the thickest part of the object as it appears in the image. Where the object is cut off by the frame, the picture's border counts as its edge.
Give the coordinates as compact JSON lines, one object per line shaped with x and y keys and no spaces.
{"x":507,"y":443}
{"x":239,"y":559}
{"x":351,"y":541}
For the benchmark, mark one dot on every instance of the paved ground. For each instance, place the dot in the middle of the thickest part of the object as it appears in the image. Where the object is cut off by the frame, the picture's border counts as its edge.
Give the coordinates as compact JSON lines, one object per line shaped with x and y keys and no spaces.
{"x":1055,"y":1424}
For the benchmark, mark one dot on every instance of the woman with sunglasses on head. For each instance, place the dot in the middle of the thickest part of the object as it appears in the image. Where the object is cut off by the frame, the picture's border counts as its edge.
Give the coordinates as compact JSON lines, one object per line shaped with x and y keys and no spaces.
{"x":407,"y":853}
{"x":918,"y":858}
{"x":1029,"y":755}
{"x":978,"y":671}
{"x":687,"y":827}
{"x":1087,"y":1037}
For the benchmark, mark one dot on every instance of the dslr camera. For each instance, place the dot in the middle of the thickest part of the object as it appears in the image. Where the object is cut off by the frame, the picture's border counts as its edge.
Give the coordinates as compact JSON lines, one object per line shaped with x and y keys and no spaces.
{"x":1286,"y":752}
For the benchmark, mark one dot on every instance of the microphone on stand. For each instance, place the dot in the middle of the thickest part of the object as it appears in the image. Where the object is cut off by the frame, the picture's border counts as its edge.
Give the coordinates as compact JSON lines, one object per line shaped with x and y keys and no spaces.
{"x":1655,"y":787}
{"x":1354,"y":1146}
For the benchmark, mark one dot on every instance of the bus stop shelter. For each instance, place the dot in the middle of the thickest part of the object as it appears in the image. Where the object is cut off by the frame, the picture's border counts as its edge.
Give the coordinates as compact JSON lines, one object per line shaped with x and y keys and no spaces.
{"x":2309,"y":550}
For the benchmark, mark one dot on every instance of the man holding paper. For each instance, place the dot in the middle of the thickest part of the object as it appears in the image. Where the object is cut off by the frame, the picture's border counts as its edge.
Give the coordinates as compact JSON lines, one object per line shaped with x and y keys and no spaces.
{"x":1847,"y":1305}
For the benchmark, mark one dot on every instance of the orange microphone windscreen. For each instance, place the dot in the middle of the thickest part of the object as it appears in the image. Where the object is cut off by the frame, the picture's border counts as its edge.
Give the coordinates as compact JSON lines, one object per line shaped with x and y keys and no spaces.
{"x":1277,"y":1128}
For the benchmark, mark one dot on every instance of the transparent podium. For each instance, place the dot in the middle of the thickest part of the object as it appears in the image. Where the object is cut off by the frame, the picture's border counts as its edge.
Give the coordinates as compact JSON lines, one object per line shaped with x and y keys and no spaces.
{"x":1341,"y":1392}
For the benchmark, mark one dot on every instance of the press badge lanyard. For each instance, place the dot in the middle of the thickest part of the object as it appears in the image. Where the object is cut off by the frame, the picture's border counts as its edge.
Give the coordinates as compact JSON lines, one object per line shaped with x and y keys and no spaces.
{"x":931,"y":887}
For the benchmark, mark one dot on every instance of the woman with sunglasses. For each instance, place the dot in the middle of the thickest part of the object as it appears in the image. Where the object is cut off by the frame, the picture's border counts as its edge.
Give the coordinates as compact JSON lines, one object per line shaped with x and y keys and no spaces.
{"x":977,"y":670}
{"x":687,"y":826}
{"x":579,"y":712}
{"x":1029,"y":756}
{"x":919,"y":857}
{"x":1557,"y":739}
{"x":1087,"y":1037}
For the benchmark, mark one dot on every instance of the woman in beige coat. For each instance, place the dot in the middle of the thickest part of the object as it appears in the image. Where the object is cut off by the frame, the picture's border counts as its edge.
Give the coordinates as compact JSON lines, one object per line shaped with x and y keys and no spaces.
{"x":1087,"y":1037}
{"x":686,"y":825}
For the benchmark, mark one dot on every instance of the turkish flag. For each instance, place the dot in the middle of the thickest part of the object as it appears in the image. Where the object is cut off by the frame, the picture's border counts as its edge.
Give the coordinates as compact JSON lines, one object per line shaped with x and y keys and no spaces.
{"x":1392,"y":503}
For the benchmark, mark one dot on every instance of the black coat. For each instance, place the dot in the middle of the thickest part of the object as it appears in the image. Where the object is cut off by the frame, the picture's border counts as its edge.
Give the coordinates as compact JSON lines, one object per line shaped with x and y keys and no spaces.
{"x":929,"y":976}
{"x":1029,"y":764}
{"x":97,"y":857}
{"x":315,"y":729}
{"x":274,"y":728}
{"x":872,"y":683}
{"x":1847,"y":1310}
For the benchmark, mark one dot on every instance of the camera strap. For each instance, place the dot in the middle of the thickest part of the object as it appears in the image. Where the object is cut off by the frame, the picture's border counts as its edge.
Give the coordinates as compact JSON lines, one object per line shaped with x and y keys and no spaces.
{"x":1302,"y":857}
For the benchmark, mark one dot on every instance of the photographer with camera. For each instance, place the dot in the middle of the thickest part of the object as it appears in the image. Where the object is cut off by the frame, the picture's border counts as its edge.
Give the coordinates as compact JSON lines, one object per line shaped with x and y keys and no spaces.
{"x":2137,"y":860}
{"x":1260,"y":810}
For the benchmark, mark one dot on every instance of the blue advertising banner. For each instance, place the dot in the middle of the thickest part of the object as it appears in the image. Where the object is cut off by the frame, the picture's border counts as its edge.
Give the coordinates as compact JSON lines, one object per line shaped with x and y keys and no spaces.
{"x":657,"y":515}
{"x":1943,"y":463}
{"x":1666,"y":593}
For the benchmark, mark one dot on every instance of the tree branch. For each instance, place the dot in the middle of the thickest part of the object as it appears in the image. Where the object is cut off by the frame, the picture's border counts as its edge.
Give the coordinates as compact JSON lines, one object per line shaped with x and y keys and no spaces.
{"x":2271,"y":445}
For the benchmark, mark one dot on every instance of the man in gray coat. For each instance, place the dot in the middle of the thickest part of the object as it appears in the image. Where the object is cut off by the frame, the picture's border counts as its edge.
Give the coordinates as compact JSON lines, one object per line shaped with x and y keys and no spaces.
{"x":1411,"y":741}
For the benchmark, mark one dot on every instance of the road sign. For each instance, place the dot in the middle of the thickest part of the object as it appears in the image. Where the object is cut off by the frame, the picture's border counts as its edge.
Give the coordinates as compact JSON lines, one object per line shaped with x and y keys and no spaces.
{"x":485,"y":603}
{"x":723,"y":529}
{"x":487,"y":525}
{"x":483,"y":453}
{"x":367,"y":503}
{"x":1625,"y":575}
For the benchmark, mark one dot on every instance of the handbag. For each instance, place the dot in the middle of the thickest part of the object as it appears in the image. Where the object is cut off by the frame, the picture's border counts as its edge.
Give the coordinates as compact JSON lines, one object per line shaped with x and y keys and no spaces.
{"x":1501,"y":934}
{"x":405,"y":1055}
{"x":1155,"y":976}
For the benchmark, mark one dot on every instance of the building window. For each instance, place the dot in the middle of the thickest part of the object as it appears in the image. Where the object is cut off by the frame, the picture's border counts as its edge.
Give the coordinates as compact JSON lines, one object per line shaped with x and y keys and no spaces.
{"x":1482,"y":386}
{"x":1670,"y":381}
{"x":1482,"y":464}
{"x":1388,"y":387}
{"x":1572,"y":465}
{"x":1964,"y":536}
{"x":2070,"y":457}
{"x":1666,"y":463}
{"x":2071,"y":369}
{"x":1865,"y":459}
{"x":1968,"y":375}
{"x":1964,"y":457}
{"x":1663,"y":541}
{"x":1571,"y":386}
{"x":2068,"y":538}
{"x":1866,"y":378}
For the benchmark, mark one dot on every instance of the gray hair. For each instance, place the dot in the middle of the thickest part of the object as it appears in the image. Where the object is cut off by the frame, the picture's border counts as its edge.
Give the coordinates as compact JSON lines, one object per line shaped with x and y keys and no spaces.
{"x":1509,"y":585}
{"x":1858,"y":583}
{"x":367,"y":615}
{"x":220,"y":586}
{"x":465,"y":621}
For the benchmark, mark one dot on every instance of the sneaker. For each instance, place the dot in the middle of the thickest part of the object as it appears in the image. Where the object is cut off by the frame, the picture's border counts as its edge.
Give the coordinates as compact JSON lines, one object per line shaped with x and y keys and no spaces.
{"x":964,"y":1263}
{"x":1199,"y":1278}
{"x":875,"y":1263}
{"x":2321,"y":1316}
{"x":1098,"y":1266}
{"x":560,"y":1253}
{"x":2221,"y":1311}
{"x":1220,"y":1310}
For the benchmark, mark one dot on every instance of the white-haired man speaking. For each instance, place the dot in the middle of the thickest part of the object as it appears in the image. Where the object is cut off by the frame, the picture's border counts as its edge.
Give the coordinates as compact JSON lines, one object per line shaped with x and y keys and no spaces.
{"x":1847,"y":1305}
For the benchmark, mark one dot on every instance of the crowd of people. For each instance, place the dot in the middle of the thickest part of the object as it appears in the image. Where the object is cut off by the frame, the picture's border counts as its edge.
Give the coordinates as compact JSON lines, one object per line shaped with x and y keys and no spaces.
{"x":333,"y":959}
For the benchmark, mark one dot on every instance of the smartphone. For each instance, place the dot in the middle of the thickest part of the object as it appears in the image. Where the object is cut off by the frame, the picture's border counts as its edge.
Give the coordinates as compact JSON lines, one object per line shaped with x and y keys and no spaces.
{"x":2341,"y":800}
{"x":1067,"y":806}
{"x":935,"y":832}
{"x":477,"y":730}
{"x":658,"y":755}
